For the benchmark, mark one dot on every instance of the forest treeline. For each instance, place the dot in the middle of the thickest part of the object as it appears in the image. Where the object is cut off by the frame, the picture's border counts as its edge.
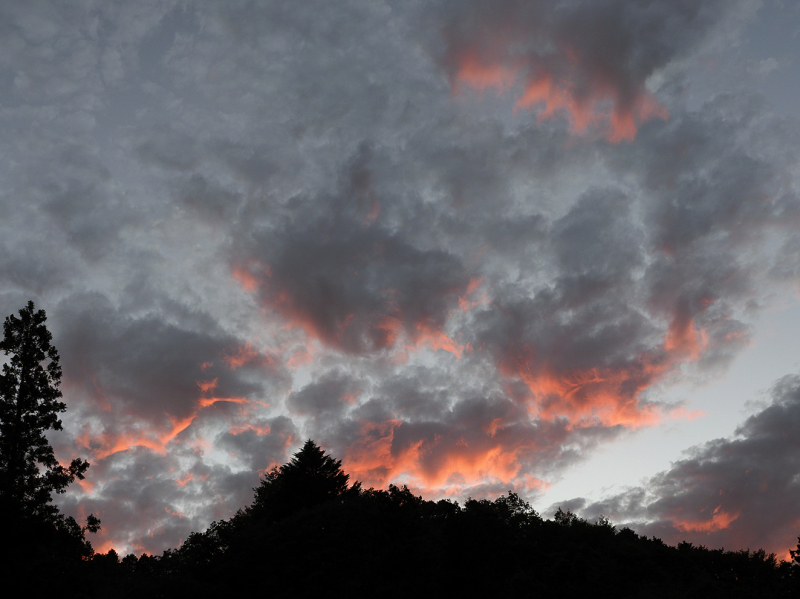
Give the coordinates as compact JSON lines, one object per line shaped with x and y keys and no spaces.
{"x":309,"y":531}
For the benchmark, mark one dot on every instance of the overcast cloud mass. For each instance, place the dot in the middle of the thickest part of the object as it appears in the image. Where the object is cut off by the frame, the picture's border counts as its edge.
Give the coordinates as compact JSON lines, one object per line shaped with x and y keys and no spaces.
{"x":460,"y":244}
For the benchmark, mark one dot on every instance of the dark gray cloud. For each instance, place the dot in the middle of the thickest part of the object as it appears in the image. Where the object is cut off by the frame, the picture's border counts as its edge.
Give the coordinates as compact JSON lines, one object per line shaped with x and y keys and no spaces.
{"x":151,"y":366}
{"x":352,"y":285}
{"x":329,"y":394}
{"x":260,"y":443}
{"x":208,"y":199}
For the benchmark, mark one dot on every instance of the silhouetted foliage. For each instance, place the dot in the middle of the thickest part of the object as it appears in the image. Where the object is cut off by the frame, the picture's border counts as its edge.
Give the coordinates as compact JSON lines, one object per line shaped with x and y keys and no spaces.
{"x":29,"y":406}
{"x":310,"y":478}
{"x":44,"y":539}
{"x":795,"y":553}
{"x":308,"y":533}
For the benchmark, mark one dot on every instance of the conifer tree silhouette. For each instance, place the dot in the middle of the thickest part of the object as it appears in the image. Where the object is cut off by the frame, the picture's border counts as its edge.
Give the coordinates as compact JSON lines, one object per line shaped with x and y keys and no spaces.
{"x":29,"y":406}
{"x":310,"y":478}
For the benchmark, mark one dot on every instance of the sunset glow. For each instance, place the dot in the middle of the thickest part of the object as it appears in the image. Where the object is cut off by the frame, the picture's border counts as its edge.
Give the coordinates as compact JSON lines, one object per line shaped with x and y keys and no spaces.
{"x":550,"y":247}
{"x":719,"y":520}
{"x":435,"y":465}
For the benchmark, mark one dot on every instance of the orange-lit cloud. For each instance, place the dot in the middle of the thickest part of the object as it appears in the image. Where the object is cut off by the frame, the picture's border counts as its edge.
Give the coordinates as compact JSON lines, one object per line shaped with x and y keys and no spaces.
{"x":389,"y":329}
{"x":258,"y":430}
{"x":245,"y":354}
{"x":559,"y":79}
{"x":206,"y":386}
{"x":470,"y":467}
{"x":434,"y":464}
{"x":86,"y":485}
{"x":369,"y":458}
{"x":105,"y":444}
{"x":481,"y":75}
{"x":607,"y":395}
{"x":175,"y":513}
{"x":299,"y":358}
{"x":204,"y":402}
{"x":719,"y":520}
{"x":586,"y":396}
{"x":185,"y":479}
{"x":599,"y":107}
{"x":684,"y":339}
{"x":436,"y":339}
{"x":247,"y":281}
{"x":106,"y":546}
{"x":466,"y":302}
{"x":247,"y":274}
{"x":531,"y":483}
{"x":602,"y":107}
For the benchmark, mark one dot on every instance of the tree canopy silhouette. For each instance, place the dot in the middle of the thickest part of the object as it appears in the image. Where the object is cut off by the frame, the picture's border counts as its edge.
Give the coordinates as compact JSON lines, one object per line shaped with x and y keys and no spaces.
{"x":44,"y":550}
{"x":308,"y":533}
{"x":29,"y":406}
{"x":310,"y":478}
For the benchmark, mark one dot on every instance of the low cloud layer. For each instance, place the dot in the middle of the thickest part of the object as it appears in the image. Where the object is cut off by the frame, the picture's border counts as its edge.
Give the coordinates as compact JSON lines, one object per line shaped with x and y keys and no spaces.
{"x":738,"y":492}
{"x":460,"y":245}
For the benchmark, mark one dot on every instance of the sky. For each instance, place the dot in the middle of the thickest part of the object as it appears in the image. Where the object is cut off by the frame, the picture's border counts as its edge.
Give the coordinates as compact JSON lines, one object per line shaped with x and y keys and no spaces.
{"x":549,"y":246}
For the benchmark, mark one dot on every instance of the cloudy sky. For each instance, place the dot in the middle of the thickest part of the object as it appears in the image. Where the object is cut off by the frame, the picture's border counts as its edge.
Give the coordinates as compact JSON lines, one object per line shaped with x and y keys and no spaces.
{"x":465,"y":245}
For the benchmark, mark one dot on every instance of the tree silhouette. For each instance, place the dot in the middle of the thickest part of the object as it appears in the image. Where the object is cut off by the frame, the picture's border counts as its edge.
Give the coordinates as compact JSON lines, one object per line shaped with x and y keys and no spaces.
{"x":320,"y":536}
{"x":39,"y":539}
{"x":311,"y":477}
{"x":29,"y":406}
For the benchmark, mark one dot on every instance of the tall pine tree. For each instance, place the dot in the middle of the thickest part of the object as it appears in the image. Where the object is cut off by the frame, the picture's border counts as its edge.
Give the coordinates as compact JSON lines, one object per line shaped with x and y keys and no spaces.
{"x":311,"y":477}
{"x":29,"y":406}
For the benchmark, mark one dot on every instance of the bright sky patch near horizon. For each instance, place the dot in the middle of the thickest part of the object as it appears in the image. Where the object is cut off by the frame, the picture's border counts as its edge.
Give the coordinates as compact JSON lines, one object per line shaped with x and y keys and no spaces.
{"x":547,"y":245}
